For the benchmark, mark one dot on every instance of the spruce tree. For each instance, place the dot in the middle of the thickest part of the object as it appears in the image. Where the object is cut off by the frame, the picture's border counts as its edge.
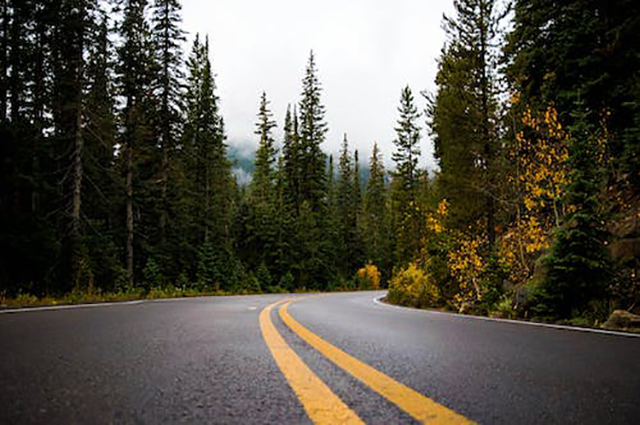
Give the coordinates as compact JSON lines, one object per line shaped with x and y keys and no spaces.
{"x":136,"y":138}
{"x":463,"y":115}
{"x":407,"y":142}
{"x":405,"y":179}
{"x":69,"y":86}
{"x":578,"y":268}
{"x":263,"y":176}
{"x":208,"y":170}
{"x":261,"y":242}
{"x":283,"y":227}
{"x":357,"y":184}
{"x":375,"y":215}
{"x":102,"y":193}
{"x":312,"y":134}
{"x":346,"y":209}
{"x":291,"y":163}
{"x":310,"y":166}
{"x":167,"y":38}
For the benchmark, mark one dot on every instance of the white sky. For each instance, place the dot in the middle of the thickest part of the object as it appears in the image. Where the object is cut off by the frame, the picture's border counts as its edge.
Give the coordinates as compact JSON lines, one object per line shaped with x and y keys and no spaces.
{"x":366,"y":52}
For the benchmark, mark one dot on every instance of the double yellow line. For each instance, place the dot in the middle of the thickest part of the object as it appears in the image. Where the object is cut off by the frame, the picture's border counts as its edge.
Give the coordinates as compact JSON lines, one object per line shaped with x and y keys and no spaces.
{"x":320,"y":403}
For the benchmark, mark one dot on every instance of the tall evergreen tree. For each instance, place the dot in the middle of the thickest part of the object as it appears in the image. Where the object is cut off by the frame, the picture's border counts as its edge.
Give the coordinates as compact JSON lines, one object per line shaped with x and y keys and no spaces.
{"x":405,"y":179}
{"x":135,"y":87}
{"x":208,"y":172}
{"x":102,"y":191}
{"x":167,"y":38}
{"x":262,"y":239}
{"x":578,"y":268}
{"x":346,"y":210}
{"x":312,"y":134}
{"x":407,"y":146}
{"x":463,"y":116}
{"x":305,"y":163}
{"x":374,"y":223}
{"x":357,"y":184}
{"x":263,"y":176}
{"x":282,"y":257}
{"x":290,"y":153}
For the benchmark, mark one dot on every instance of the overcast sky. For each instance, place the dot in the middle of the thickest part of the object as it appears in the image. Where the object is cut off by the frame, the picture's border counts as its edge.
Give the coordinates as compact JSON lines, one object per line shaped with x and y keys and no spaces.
{"x":366,"y":52}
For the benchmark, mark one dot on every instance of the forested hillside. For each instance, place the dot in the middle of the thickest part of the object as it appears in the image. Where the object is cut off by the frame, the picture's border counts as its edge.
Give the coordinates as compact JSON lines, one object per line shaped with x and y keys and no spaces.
{"x":116,"y":174}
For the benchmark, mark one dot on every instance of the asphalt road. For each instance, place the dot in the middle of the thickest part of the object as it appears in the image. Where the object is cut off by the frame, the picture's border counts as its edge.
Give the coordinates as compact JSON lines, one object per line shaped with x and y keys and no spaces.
{"x":209,"y":360}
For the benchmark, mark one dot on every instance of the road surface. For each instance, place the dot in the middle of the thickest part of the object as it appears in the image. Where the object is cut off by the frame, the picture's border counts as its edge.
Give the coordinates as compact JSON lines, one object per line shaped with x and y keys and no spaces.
{"x":328,"y":358}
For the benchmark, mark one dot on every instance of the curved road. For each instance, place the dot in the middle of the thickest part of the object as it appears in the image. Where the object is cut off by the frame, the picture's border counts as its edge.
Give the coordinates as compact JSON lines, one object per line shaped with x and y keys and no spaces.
{"x":259,"y":359}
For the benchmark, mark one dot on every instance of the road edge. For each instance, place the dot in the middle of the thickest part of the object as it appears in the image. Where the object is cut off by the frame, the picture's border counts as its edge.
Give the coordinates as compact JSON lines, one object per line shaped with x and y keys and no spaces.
{"x":378,"y":300}
{"x":68,"y":306}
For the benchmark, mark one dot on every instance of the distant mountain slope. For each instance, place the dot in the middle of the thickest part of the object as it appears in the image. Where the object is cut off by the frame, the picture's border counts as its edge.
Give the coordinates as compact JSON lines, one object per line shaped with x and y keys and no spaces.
{"x":243,"y":166}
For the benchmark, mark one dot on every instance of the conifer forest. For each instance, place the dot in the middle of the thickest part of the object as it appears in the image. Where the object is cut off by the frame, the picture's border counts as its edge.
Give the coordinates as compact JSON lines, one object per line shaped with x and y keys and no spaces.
{"x":116,"y":177}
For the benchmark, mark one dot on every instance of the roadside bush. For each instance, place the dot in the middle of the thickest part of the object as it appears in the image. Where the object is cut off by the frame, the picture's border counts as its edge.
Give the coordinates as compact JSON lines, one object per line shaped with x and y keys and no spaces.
{"x":413,"y":287}
{"x":368,"y":277}
{"x":504,"y":308}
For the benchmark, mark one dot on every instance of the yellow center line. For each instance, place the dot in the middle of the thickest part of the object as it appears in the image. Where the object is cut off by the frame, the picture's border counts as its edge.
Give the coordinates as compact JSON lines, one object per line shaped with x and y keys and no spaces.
{"x":320,"y":403}
{"x":415,"y":404}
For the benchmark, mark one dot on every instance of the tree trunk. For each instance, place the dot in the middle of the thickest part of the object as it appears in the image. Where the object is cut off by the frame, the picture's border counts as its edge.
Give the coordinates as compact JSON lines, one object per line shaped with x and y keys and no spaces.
{"x":129,"y":207}
{"x":163,"y":198}
{"x":78,"y":148}
{"x":78,"y":153}
{"x":488,"y":137}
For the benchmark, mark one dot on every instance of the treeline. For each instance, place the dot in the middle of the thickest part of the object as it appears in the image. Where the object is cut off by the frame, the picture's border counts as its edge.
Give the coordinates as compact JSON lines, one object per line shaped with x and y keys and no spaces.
{"x":115,"y":173}
{"x":534,"y":209}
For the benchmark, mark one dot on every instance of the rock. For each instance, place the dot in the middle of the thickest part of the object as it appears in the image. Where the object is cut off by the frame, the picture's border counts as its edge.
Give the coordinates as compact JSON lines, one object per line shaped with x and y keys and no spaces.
{"x":621,"y":319}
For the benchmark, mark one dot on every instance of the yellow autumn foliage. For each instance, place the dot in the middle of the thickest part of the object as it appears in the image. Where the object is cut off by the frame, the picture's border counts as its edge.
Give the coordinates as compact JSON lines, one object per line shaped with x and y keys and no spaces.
{"x":541,"y":156}
{"x":413,"y":286}
{"x":466,"y":265}
{"x":368,"y":277}
{"x":435,"y":221}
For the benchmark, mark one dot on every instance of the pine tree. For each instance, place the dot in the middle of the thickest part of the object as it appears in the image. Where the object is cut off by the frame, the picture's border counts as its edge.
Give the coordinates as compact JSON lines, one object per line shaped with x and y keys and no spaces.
{"x":167,"y":38}
{"x":292,"y":157}
{"x":345,"y":203}
{"x":463,"y":117}
{"x":407,"y":146}
{"x":578,"y":268}
{"x":263,"y":176}
{"x":405,"y":179}
{"x":312,"y":134}
{"x":375,"y":217}
{"x":208,"y":170}
{"x":71,"y":39}
{"x":261,"y":242}
{"x":283,"y":226}
{"x":102,"y":191}
{"x":305,"y":163}
{"x":135,"y":66}
{"x":357,"y":184}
